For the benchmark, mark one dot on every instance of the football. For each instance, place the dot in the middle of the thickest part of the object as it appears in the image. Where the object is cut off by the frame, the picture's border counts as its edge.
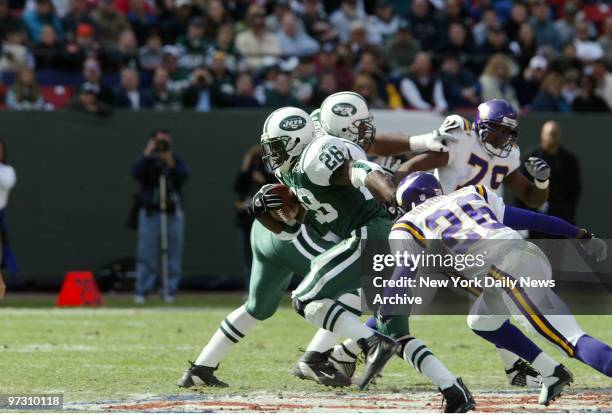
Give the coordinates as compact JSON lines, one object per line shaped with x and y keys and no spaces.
{"x":291,"y":206}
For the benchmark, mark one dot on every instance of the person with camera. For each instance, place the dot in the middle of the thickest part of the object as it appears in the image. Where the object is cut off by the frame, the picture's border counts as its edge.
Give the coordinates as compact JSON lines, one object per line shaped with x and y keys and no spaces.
{"x":199,"y":95}
{"x":160,"y":218}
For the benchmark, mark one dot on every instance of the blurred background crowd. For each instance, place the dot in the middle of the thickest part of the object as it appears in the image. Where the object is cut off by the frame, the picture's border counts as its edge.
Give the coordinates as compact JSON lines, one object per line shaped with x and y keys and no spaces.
{"x":442,"y":55}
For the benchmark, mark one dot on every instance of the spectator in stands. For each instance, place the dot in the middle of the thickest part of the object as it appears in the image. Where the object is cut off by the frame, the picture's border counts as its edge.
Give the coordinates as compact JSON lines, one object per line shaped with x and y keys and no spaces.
{"x":358,"y":42}
{"x":86,"y":100}
{"x":192,"y":46}
{"x":544,"y":28}
{"x":569,"y":86}
{"x":565,"y":26}
{"x":198,"y":95}
{"x":316,"y":22}
{"x":151,"y":54}
{"x":480,"y":31}
{"x":461,"y":88}
{"x":603,"y":81}
{"x":158,"y":159}
{"x":455,"y":13}
{"x":495,"y":80}
{"x":369,"y":65}
{"x":160,"y":96}
{"x":422,"y":90}
{"x":496,"y":42}
{"x":216,"y":17}
{"x":25,"y":94}
{"x":294,"y":42}
{"x":343,"y":18}
{"x":400,"y":50}
{"x":257,"y":42}
{"x":528,"y":82}
{"x":222,"y":77}
{"x":244,"y":93}
{"x":549,"y":97}
{"x":325,"y":87}
{"x":42,"y":15}
{"x":586,"y":48}
{"x":125,"y":53}
{"x":525,"y":45}
{"x":304,"y":80}
{"x":77,"y":14}
{"x":518,"y":17}
{"x":328,"y":61}
{"x":425,"y":26}
{"x":457,"y":42}
{"x":606,"y":40}
{"x":364,"y":85}
{"x":48,"y":52}
{"x":274,"y":20}
{"x":129,"y":94}
{"x":92,"y":75}
{"x":76,"y":50}
{"x":281,"y":95}
{"x":179,"y":79}
{"x":225,"y":43}
{"x":109,"y":23}
{"x":8,"y":22}
{"x":142,"y":18}
{"x":587,"y":101}
{"x":565,"y":179}
{"x":383,"y":23}
{"x":14,"y":54}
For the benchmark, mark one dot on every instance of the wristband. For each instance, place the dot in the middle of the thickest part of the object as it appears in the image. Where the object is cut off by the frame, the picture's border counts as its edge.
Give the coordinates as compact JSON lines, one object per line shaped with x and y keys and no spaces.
{"x":542,"y":184}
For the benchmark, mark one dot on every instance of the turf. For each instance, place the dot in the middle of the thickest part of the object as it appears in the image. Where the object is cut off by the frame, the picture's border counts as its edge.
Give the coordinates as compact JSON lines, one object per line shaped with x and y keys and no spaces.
{"x":119,"y":351}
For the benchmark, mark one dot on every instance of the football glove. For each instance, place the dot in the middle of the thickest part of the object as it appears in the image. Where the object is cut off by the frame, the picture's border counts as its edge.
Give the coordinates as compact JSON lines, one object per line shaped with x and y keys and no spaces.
{"x":436,"y":141}
{"x":594,"y":246}
{"x":263,"y":201}
{"x":539,"y":170}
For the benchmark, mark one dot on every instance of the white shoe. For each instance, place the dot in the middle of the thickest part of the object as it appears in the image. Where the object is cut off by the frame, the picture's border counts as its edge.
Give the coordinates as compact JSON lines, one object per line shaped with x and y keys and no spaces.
{"x":139,"y":299}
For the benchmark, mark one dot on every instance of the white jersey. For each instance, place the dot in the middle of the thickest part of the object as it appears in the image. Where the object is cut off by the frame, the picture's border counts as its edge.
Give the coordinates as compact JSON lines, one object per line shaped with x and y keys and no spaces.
{"x":469,"y":163}
{"x":465,"y":215}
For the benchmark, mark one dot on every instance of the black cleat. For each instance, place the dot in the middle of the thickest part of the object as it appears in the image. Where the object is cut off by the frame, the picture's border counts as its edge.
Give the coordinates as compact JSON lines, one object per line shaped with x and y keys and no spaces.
{"x":343,"y":360}
{"x":553,"y":385}
{"x":457,"y":398}
{"x":197,"y":375}
{"x":523,"y":375}
{"x":378,"y":349}
{"x":316,"y":366}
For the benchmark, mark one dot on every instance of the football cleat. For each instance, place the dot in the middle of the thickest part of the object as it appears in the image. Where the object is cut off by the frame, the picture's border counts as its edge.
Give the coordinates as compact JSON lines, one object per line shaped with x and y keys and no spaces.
{"x":316,"y":366}
{"x":457,"y":398}
{"x":521,"y":374}
{"x":378,"y":349}
{"x":343,"y":360}
{"x":553,"y":385}
{"x":197,"y":375}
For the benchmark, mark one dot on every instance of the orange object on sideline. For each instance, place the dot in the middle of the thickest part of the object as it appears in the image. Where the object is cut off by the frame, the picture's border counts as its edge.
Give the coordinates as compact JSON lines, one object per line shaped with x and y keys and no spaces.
{"x":79,"y":289}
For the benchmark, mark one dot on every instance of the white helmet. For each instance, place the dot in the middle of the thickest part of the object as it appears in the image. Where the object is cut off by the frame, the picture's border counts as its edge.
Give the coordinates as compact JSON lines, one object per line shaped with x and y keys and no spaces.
{"x":346,"y":115}
{"x":285,"y":134}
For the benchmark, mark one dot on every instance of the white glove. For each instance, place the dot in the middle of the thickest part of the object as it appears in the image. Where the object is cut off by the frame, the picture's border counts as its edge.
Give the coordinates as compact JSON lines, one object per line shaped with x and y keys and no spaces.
{"x":595,"y":246}
{"x":436,"y":141}
{"x":539,"y":170}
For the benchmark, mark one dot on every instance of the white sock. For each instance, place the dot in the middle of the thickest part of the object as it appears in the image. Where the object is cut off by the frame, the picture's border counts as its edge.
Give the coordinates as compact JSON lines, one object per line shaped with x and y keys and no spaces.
{"x":322,"y":341}
{"x":544,"y":364}
{"x":423,"y":360}
{"x":235,"y":326}
{"x":507,"y":357}
{"x":351,"y":346}
{"x":349,"y":325}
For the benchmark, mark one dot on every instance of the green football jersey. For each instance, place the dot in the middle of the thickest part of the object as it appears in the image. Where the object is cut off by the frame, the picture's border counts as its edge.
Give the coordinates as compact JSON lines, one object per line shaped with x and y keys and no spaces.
{"x":331,"y":208}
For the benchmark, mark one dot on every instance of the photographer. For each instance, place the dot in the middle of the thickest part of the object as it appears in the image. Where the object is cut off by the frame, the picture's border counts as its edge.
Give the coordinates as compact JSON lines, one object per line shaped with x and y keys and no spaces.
{"x":157,"y":160}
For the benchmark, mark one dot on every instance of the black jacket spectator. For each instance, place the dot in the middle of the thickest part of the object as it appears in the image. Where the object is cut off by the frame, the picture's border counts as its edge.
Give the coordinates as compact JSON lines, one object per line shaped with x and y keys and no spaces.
{"x":425,"y":26}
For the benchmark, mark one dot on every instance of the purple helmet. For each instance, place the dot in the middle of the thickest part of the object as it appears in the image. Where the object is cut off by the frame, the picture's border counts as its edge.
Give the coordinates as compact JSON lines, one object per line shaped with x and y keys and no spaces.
{"x":416,"y":188}
{"x":496,"y":124}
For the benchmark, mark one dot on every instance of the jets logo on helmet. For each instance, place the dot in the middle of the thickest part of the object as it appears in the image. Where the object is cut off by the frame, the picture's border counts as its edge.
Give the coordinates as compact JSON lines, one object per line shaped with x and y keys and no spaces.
{"x":346,"y":115}
{"x":285,"y":134}
{"x":344,"y":109}
{"x":293,"y":123}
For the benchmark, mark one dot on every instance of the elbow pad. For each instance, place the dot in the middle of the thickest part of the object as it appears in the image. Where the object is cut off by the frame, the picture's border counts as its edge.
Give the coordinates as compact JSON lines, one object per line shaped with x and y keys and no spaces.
{"x":360,"y":171}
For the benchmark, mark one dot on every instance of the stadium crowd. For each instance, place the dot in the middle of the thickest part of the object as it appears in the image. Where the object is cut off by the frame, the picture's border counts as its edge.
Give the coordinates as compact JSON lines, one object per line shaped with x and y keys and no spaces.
{"x":95,"y":55}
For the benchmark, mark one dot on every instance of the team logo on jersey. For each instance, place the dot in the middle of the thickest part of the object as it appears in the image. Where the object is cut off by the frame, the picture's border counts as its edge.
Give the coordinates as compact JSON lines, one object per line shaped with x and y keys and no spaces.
{"x":344,"y":109}
{"x":292,"y":123}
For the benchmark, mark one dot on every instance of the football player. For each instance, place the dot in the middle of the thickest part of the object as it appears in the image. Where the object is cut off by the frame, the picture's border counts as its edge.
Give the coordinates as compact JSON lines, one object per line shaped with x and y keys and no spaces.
{"x":476,"y":220}
{"x":487,"y":154}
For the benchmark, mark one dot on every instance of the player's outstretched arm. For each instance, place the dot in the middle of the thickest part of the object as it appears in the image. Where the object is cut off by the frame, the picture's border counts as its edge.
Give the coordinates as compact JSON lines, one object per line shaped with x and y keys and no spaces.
{"x":529,"y":193}
{"x":389,"y":144}
{"x":422,"y":162}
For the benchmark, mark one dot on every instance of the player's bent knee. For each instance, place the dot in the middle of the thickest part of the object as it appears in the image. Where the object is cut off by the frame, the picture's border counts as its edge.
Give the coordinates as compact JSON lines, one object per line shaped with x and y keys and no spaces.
{"x":315,"y":312}
{"x":479,"y":322}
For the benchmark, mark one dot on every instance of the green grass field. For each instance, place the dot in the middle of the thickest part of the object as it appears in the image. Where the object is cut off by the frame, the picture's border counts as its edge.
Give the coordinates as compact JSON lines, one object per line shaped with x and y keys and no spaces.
{"x":119,"y":351}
